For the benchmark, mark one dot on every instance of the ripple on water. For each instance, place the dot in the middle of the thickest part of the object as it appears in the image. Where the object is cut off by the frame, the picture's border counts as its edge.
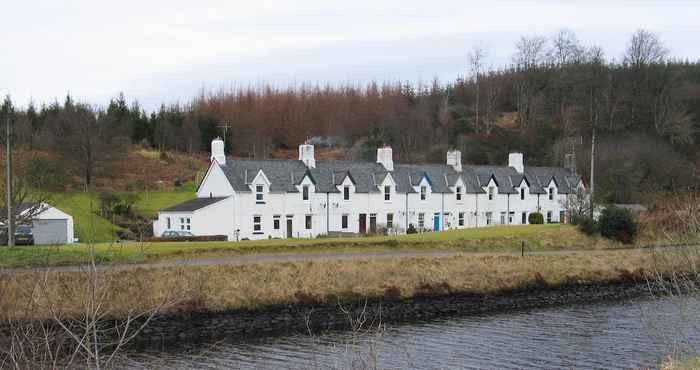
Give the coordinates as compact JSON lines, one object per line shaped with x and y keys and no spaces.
{"x":624,"y":335}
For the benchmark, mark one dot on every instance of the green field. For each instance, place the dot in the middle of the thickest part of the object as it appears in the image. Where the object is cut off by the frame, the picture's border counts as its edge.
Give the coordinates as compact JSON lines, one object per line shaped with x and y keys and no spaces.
{"x":491,"y":239}
{"x":89,"y":226}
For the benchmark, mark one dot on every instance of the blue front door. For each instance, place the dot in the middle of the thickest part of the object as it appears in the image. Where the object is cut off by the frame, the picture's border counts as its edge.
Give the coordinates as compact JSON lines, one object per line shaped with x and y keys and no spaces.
{"x":436,"y":222}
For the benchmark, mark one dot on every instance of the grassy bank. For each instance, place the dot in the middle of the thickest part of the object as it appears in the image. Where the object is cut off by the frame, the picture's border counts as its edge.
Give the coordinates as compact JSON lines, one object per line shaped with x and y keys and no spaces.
{"x":226,"y":287}
{"x":492,"y":239}
{"x":687,"y":364}
{"x":89,"y":226}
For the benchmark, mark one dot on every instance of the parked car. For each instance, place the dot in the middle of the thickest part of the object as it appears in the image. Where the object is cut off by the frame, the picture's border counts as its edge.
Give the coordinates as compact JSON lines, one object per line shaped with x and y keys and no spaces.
{"x":176,"y":234}
{"x":23,"y":235}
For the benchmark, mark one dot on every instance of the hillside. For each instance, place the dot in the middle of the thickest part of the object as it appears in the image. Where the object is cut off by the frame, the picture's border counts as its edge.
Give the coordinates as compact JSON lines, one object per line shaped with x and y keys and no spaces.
{"x":545,"y":107}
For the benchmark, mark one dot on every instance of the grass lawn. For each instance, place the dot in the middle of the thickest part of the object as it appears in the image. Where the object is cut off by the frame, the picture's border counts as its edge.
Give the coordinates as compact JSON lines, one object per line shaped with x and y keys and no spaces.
{"x":85,"y":221}
{"x":492,"y":239}
{"x":217,"y":288}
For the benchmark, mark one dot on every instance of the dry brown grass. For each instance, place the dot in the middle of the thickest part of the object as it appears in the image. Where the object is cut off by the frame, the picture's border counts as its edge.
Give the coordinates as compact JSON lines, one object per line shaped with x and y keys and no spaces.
{"x":225,"y":287}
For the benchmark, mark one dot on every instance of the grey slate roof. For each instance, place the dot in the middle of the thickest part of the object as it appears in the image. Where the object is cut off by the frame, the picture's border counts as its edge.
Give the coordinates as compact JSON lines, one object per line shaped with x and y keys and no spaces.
{"x":192,"y":205}
{"x":285,"y":175}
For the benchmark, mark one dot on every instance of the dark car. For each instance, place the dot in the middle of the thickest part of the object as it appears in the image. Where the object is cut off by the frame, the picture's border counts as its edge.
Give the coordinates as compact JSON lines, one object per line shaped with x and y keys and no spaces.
{"x":176,"y":234}
{"x":23,"y":235}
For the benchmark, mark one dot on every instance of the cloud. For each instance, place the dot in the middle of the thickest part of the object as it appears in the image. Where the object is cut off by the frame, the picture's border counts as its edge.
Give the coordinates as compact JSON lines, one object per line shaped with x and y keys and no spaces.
{"x":165,"y":51}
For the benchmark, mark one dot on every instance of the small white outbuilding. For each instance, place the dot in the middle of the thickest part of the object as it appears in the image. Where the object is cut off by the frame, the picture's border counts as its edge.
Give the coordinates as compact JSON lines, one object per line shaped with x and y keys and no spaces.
{"x":50,"y":225}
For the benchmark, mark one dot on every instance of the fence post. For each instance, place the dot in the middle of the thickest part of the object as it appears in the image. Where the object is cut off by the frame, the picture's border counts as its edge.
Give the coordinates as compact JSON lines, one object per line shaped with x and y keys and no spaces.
{"x":523,"y":244}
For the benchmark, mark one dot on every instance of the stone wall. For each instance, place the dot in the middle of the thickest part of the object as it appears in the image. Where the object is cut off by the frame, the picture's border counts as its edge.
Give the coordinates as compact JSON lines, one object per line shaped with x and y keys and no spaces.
{"x":302,"y":318}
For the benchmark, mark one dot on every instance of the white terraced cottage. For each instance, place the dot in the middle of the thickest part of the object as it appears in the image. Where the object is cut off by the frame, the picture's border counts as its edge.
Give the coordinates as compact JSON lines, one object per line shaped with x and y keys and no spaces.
{"x":259,"y":199}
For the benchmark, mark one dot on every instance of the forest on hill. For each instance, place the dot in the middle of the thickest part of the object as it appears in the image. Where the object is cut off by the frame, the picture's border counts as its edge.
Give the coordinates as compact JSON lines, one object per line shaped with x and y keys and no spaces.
{"x":644,"y":108}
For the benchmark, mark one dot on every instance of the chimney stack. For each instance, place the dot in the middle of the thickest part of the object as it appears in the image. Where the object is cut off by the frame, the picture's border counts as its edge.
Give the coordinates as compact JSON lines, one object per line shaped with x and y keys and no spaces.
{"x":306,"y":155}
{"x":454,"y":159}
{"x":217,"y":151}
{"x":515,"y":160}
{"x":385,"y":157}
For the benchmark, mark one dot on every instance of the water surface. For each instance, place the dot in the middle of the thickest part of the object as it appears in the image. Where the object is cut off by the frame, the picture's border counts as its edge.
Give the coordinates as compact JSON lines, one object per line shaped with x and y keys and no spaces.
{"x":624,"y":335}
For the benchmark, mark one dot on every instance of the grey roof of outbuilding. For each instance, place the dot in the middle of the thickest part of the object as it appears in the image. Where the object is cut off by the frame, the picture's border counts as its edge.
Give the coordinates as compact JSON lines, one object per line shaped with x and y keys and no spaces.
{"x":285,"y":175}
{"x":192,"y":205}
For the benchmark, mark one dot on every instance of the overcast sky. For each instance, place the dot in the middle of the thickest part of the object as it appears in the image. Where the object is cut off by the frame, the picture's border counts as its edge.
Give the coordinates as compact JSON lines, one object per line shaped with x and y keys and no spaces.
{"x":166,"y":51}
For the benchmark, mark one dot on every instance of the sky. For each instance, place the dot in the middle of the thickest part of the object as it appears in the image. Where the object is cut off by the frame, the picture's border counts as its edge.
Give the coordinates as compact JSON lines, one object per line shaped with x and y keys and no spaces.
{"x":158,"y":51}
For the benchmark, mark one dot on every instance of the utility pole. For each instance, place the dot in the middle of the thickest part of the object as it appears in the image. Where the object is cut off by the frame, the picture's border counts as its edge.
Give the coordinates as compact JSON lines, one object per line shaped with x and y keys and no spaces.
{"x":8,"y":186}
{"x":225,"y":126}
{"x":592,"y":171}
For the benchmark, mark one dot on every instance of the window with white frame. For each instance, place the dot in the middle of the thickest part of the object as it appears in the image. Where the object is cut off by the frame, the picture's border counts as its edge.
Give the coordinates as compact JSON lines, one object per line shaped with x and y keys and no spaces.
{"x":491,"y":192}
{"x":344,"y":222}
{"x":551,"y":193}
{"x":510,"y":217}
{"x":522,"y":193}
{"x":308,"y":222}
{"x":489,"y":218}
{"x":259,"y":195}
{"x":276,"y":222}
{"x":167,"y":219}
{"x":459,"y":193}
{"x":460,"y":219}
{"x":257,"y":224}
{"x":305,"y":192}
{"x":503,"y":218}
{"x":421,"y":220}
{"x":185,"y":223}
{"x":423,"y":192}
{"x":549,"y":217}
{"x":523,"y":218}
{"x":346,"y":193}
{"x":389,"y":220}
{"x":387,"y":192}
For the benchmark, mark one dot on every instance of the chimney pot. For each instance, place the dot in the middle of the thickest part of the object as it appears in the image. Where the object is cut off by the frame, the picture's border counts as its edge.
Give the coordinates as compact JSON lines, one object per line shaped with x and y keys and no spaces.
{"x":385,"y":157}
{"x":306,"y":155}
{"x":515,"y":160}
{"x":454,"y":159}
{"x":217,"y":151}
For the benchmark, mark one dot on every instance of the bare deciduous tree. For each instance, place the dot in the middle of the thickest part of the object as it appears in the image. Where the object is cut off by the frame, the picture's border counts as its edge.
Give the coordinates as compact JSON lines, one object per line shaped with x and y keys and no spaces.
{"x":566,"y":48}
{"x":644,"y":49}
{"x":476,"y":65}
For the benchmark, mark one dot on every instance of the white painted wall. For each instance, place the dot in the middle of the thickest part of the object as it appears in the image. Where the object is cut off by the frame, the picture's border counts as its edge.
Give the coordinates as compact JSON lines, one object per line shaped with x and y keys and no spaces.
{"x":215,"y":184}
{"x":238,"y":211}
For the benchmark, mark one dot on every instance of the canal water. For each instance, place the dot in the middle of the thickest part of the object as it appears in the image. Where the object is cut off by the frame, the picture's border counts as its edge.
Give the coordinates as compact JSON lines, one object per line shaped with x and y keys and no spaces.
{"x":623,"y":335}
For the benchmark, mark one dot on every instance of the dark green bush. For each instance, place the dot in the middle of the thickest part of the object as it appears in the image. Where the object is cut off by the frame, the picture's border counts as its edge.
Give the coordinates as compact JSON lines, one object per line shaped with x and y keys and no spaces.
{"x":618,"y":224}
{"x":411,"y":229}
{"x":587,"y":225}
{"x":535,"y":218}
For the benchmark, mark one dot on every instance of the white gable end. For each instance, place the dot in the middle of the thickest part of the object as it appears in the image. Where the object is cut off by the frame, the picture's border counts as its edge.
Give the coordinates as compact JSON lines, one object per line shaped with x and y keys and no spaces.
{"x":215,"y":183}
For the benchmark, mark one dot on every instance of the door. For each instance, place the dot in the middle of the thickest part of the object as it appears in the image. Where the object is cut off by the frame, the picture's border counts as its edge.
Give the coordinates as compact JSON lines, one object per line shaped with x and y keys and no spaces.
{"x":373,"y":223}
{"x":436,"y":222}
{"x":290,"y":231}
{"x":50,"y":231}
{"x":363,"y":223}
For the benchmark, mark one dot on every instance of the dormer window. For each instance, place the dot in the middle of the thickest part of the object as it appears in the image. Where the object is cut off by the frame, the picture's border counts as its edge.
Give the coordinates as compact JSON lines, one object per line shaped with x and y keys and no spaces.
{"x":423,"y":192}
{"x":491,"y":192}
{"x":259,"y":194}
{"x":522,"y":193}
{"x":551,"y":193}
{"x":346,"y":193}
{"x":305,"y":192}
{"x":387,"y":192}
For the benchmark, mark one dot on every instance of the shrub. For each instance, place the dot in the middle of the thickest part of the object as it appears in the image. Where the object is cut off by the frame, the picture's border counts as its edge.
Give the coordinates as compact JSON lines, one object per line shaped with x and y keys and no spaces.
{"x":535,"y":218}
{"x":411,"y":229}
{"x":618,"y":224}
{"x":587,"y":225}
